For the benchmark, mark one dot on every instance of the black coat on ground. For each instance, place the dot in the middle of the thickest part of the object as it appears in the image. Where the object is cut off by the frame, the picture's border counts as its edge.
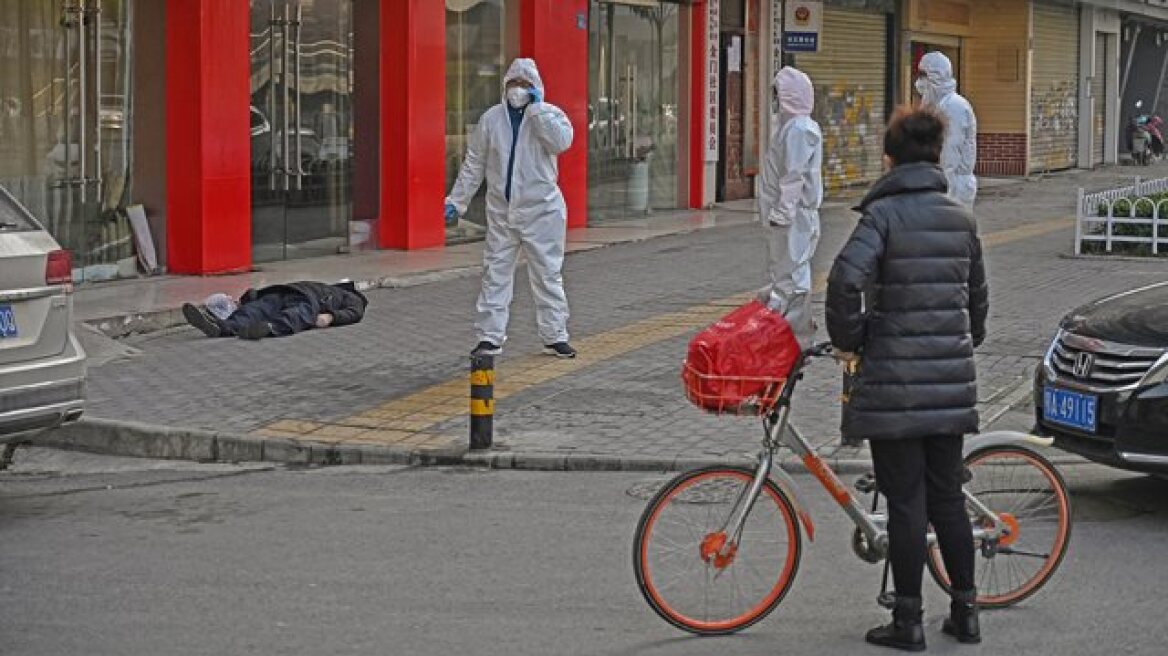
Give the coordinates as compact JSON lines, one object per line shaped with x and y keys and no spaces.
{"x":343,"y":301}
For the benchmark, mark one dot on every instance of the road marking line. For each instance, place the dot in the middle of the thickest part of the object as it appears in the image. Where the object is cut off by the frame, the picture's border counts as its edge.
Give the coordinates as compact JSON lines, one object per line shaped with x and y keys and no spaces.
{"x":419,"y":412}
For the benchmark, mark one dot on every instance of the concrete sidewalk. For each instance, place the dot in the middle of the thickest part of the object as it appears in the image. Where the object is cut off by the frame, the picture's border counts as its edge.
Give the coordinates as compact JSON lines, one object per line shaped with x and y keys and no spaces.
{"x":142,"y":305}
{"x":394,"y":388}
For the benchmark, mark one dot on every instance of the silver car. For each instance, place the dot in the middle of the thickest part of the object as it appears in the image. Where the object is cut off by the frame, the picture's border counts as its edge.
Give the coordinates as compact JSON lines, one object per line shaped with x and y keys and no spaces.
{"x":42,"y":366}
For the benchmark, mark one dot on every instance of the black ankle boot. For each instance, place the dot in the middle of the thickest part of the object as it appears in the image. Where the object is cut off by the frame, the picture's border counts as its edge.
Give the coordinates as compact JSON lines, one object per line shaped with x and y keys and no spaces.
{"x":905,"y":632}
{"x":962,"y":621}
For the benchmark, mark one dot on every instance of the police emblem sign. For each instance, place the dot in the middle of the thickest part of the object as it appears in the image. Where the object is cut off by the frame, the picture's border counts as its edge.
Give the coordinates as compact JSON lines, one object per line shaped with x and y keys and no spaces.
{"x":802,"y":23}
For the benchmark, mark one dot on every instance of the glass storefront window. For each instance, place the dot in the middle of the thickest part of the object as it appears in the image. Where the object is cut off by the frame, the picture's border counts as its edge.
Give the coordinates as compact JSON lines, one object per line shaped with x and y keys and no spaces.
{"x":65,"y":103}
{"x":632,"y":109}
{"x":475,"y":65}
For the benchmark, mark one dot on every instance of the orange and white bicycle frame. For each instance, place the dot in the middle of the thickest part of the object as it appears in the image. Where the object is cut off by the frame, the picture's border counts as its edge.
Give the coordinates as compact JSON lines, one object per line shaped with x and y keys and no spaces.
{"x":872,"y":525}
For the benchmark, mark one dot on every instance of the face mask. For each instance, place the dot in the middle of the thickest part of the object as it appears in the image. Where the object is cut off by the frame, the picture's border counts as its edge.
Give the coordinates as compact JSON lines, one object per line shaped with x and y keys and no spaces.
{"x":921,"y":86}
{"x":518,"y":97}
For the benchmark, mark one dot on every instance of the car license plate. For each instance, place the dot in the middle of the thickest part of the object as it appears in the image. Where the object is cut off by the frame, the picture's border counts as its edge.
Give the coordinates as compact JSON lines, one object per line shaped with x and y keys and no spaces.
{"x":7,"y":322}
{"x":1072,"y":409}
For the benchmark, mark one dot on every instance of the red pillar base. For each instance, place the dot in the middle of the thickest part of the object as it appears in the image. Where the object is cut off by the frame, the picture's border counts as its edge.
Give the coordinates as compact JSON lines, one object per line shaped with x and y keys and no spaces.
{"x":208,"y":155}
{"x":413,"y":124}
{"x":700,"y":58}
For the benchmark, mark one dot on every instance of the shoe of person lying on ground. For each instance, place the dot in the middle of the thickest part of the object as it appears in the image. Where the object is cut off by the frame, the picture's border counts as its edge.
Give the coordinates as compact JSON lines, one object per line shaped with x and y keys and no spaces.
{"x":258,"y":330}
{"x":560,"y":350}
{"x":201,"y":319}
{"x":487,"y":348}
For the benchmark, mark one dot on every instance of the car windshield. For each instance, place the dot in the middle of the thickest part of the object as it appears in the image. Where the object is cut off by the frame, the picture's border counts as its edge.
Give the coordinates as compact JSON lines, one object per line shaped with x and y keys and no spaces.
{"x":13,"y":217}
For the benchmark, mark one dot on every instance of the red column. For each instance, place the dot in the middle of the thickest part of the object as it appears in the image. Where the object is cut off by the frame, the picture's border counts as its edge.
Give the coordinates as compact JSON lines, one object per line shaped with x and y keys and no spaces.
{"x":555,"y":34}
{"x":698,"y":69}
{"x":208,"y":155}
{"x":413,"y":123}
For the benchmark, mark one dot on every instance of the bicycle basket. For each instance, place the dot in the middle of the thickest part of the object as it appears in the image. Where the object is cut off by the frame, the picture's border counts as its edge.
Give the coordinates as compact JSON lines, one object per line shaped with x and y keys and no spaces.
{"x":739,"y":364}
{"x":731,"y":395}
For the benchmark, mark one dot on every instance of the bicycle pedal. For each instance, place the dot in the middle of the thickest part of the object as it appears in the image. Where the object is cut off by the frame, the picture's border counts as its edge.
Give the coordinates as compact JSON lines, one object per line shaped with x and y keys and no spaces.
{"x":887,"y":600}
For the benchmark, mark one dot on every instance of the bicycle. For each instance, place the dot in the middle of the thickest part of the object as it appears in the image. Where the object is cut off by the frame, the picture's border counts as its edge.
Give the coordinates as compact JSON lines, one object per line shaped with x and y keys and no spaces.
{"x":711,"y":523}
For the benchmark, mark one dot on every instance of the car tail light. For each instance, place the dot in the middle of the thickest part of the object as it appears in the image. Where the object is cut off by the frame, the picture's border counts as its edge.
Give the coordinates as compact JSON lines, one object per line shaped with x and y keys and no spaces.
{"x":59,"y":269}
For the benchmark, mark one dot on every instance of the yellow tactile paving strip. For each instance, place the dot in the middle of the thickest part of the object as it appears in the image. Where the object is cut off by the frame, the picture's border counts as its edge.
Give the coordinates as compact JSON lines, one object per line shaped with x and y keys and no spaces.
{"x":408,"y":421}
{"x":405,"y":421}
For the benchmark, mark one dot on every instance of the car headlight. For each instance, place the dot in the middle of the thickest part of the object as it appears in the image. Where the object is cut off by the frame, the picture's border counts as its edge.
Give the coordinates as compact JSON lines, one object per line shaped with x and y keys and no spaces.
{"x":1158,"y":373}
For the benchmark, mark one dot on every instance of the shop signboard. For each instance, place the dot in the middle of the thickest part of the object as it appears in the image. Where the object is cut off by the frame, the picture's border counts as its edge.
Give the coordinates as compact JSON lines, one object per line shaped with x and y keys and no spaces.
{"x":713,"y":57}
{"x":802,"y":24}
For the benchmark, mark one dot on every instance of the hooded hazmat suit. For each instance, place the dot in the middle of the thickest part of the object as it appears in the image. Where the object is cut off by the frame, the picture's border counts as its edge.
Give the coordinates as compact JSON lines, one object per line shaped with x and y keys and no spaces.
{"x":525,"y":209}
{"x":790,"y":193}
{"x":938,"y":89}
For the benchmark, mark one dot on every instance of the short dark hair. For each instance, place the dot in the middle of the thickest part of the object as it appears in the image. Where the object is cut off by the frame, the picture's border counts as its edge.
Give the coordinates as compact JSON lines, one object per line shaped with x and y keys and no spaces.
{"x":914,"y":135}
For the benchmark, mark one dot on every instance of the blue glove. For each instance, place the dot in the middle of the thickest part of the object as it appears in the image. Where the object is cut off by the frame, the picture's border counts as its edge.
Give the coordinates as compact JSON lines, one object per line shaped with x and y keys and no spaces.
{"x":536,"y":96}
{"x":451,"y":214}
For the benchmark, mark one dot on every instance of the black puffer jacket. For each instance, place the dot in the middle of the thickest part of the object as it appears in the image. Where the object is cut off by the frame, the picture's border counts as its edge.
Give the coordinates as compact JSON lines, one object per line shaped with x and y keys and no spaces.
{"x":908,"y":293}
{"x":342,"y":300}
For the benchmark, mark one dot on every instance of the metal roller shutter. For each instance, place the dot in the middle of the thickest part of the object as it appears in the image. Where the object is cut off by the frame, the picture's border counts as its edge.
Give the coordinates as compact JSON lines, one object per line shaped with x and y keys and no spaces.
{"x":850,"y":90}
{"x":1099,"y":98}
{"x":1054,"y":95}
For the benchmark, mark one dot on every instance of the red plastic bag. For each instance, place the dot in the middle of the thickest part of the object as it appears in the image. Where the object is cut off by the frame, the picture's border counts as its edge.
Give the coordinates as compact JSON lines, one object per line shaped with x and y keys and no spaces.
{"x":741,"y":361}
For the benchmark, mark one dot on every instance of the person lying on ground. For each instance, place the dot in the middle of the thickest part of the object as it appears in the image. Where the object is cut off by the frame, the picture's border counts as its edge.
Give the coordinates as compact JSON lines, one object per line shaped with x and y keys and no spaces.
{"x":281,"y":310}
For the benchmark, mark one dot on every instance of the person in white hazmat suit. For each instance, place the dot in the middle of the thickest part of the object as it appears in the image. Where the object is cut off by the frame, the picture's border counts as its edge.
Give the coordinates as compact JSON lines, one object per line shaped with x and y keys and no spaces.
{"x":790,"y":193}
{"x":515,"y":147}
{"x":938,"y":89}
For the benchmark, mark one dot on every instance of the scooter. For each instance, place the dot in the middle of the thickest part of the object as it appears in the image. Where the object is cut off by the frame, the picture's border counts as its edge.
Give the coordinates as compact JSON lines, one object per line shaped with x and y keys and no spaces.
{"x":1145,"y":136}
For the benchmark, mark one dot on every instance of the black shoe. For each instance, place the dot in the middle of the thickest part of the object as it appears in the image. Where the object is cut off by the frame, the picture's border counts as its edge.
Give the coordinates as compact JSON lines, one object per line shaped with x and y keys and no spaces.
{"x":962,"y":622}
{"x":906,"y":631}
{"x":258,"y":330}
{"x":487,"y":348}
{"x":202,"y":319}
{"x":560,"y":350}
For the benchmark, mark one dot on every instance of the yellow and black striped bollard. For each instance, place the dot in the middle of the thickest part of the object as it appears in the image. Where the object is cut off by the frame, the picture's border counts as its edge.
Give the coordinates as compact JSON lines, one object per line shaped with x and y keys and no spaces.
{"x":482,"y":401}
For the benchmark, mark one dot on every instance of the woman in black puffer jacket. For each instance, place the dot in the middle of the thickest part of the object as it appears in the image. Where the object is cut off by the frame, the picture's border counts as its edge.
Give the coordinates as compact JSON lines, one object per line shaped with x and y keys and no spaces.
{"x":906,"y":303}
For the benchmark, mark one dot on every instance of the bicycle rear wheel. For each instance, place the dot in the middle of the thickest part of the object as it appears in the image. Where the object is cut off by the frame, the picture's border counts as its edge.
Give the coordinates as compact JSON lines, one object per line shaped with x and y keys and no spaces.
{"x":683,"y":568}
{"x":1028,"y":493}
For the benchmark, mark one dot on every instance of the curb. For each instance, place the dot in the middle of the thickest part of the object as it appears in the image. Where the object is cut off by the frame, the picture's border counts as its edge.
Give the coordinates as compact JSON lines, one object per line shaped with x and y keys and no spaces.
{"x":1147,"y":259}
{"x":133,"y":439}
{"x":138,"y":440}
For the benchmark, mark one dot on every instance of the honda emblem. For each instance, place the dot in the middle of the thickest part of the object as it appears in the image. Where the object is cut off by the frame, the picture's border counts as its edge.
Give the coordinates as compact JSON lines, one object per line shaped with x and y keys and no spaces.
{"x":1084,"y":363}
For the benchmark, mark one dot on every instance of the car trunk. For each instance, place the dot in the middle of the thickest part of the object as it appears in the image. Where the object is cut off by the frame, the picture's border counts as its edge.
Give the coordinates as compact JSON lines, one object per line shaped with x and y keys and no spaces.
{"x":34,"y":316}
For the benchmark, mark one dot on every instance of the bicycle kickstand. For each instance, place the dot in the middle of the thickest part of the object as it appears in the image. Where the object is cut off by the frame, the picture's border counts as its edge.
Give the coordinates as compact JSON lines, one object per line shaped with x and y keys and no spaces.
{"x":887,"y":598}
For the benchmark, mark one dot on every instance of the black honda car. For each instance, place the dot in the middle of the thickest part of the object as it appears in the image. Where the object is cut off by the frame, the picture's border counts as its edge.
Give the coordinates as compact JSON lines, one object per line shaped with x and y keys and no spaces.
{"x":1102,"y":389}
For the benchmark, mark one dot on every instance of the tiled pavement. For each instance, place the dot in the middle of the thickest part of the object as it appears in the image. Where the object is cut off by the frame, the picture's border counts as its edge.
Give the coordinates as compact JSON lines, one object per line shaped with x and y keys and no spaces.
{"x":400,"y":376}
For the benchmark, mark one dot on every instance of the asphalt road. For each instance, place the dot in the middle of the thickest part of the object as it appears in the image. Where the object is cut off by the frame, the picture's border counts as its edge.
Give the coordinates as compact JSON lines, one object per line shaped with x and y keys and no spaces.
{"x":112,"y":556}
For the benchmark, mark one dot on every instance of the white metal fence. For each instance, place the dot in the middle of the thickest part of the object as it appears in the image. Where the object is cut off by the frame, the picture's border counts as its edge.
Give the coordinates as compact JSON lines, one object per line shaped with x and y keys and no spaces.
{"x":1101,"y":213}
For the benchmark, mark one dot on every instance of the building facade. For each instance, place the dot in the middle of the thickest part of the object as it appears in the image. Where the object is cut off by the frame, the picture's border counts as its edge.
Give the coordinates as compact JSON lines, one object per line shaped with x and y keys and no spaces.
{"x":277,"y":129}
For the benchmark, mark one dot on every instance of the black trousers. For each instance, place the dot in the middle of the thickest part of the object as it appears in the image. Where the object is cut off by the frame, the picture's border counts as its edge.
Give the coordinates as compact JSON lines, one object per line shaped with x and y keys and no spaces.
{"x":921,"y":480}
{"x":287,"y":314}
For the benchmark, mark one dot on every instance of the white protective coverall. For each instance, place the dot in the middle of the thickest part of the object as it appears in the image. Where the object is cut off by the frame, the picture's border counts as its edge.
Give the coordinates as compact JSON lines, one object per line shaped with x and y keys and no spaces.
{"x":938,"y":89}
{"x":790,"y":193}
{"x":534,"y":220}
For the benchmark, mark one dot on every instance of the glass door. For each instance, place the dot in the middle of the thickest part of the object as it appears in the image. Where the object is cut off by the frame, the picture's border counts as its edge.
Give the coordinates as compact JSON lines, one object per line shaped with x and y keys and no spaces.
{"x":301,"y":127}
{"x":632,"y":109}
{"x":65,"y":112}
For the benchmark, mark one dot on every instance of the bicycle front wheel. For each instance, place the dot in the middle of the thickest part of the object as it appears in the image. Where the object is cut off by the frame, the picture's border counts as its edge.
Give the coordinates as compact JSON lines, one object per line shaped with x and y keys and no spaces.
{"x":1026,"y":491}
{"x":694,"y":575}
